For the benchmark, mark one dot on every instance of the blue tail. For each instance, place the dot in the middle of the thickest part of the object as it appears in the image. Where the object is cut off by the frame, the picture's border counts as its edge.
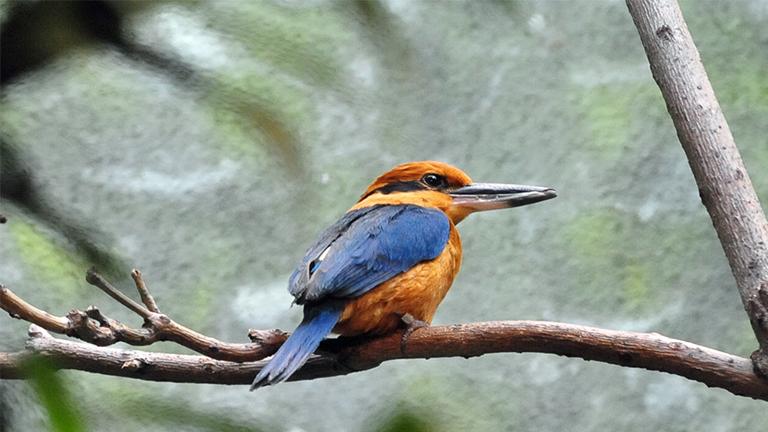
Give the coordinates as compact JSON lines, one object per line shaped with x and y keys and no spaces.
{"x":318,"y":322}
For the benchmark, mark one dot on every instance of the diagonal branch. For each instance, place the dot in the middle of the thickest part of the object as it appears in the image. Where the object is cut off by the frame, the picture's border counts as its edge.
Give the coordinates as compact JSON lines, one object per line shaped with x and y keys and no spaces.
{"x":724,"y":185}
{"x":342,"y":356}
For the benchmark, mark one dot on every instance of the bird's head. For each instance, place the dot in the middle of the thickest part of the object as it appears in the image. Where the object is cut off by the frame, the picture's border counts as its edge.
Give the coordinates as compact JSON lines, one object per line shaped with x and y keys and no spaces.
{"x":442,"y":186}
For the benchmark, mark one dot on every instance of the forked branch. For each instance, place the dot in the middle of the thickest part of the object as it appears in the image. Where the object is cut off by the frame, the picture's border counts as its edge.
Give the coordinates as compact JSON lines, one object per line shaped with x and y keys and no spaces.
{"x":94,"y":327}
{"x":234,"y":363}
{"x":343,"y":356}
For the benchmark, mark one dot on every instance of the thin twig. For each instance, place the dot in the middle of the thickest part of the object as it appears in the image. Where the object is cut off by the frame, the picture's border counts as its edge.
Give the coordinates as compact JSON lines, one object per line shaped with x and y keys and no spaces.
{"x":141,"y":287}
{"x":95,"y":279}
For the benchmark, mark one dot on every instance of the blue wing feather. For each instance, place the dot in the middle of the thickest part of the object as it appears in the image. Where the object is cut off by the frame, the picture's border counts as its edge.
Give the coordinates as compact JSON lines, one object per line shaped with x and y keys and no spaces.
{"x":317,"y":323}
{"x":367,"y":247}
{"x":308,"y":265}
{"x":363,"y":249}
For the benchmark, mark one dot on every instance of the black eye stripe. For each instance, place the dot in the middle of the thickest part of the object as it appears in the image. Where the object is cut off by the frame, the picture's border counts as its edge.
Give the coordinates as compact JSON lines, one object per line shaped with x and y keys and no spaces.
{"x":406,"y":186}
{"x":412,"y":185}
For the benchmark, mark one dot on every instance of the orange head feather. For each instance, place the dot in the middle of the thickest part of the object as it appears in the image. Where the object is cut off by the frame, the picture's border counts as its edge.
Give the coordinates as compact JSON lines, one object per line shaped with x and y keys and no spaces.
{"x":415,"y":172}
{"x":445,"y":187}
{"x":424,"y":183}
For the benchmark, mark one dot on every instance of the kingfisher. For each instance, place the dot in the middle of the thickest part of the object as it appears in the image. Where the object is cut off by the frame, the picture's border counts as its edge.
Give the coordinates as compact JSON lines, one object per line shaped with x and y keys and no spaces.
{"x":390,"y":260}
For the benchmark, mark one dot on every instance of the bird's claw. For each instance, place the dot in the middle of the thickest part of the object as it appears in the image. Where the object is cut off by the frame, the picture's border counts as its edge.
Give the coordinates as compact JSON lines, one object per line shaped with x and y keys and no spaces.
{"x":411,"y":325}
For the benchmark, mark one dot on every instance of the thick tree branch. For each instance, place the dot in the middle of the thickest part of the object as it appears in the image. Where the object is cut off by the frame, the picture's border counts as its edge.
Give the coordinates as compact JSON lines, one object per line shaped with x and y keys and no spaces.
{"x":724,"y":185}
{"x":343,"y":356}
{"x":227,"y":363}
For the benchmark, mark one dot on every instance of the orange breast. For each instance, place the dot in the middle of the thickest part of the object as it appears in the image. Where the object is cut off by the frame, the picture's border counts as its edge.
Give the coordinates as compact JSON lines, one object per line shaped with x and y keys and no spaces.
{"x":418,"y":292}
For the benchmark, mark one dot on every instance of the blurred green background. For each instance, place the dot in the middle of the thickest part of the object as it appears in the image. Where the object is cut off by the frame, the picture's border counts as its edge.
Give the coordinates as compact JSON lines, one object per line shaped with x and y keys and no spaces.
{"x":207,"y":143}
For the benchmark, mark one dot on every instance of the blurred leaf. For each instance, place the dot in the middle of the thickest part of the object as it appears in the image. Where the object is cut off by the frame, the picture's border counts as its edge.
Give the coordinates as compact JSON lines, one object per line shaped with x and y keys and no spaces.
{"x":256,"y":116}
{"x":383,"y":30}
{"x":5,"y":410}
{"x":19,"y":187}
{"x":54,"y":396}
{"x":176,"y":413}
{"x":51,"y":263}
{"x":296,"y":41}
{"x":404,"y":419}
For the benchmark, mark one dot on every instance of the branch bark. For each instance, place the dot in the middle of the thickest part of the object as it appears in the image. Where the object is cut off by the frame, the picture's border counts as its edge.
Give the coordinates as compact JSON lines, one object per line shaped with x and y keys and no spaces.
{"x":724,"y":185}
{"x":342,"y":356}
{"x":234,"y":363}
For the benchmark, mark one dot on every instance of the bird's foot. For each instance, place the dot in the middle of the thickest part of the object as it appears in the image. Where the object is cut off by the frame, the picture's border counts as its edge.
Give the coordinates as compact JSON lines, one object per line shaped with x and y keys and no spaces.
{"x":411,"y":325}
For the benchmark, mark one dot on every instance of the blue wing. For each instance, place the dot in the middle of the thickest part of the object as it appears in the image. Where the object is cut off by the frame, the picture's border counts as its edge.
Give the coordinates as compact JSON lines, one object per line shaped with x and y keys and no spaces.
{"x":367,"y":247}
{"x":363,"y":249}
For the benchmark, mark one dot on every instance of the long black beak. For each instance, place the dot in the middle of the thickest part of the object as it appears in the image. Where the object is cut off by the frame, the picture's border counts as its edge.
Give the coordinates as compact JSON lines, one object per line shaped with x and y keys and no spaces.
{"x":492,"y":196}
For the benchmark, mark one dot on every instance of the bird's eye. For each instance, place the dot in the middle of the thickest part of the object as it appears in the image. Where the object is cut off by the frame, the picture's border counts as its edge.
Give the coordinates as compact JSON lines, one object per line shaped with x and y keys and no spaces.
{"x":433,"y":180}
